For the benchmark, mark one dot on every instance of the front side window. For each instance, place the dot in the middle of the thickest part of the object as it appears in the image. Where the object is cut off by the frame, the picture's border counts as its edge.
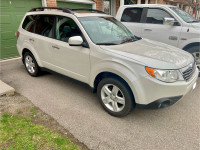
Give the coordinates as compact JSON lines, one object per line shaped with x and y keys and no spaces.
{"x":132,"y":15}
{"x":29,"y":23}
{"x":156,"y":16}
{"x":106,"y":30}
{"x":44,"y":25}
{"x":66,"y":28}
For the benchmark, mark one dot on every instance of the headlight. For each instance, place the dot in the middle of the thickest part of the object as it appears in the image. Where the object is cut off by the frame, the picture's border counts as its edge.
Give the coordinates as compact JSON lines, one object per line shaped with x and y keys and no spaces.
{"x":164,"y":75}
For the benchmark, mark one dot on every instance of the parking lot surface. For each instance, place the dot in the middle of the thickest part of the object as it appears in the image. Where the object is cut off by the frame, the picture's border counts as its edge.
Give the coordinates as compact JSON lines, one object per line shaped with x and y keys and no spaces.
{"x":76,"y":108}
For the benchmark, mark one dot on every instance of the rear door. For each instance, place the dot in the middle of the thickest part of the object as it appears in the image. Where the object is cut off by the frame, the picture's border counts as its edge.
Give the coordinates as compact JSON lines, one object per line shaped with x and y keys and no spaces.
{"x":132,"y":18}
{"x":43,"y":37}
{"x":154,"y":29}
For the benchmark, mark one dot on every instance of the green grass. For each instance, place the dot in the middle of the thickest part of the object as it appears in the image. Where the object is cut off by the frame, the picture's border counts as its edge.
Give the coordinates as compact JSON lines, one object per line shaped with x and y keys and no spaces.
{"x":17,"y":132}
{"x":33,"y":111}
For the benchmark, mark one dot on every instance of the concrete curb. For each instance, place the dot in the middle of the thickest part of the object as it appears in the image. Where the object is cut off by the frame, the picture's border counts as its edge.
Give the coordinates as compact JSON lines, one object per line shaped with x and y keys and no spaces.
{"x":5,"y":89}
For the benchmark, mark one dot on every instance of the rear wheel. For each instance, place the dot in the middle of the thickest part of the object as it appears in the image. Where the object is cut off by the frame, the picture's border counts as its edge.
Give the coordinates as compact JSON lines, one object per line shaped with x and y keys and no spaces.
{"x":31,"y":64}
{"x":115,"y":97}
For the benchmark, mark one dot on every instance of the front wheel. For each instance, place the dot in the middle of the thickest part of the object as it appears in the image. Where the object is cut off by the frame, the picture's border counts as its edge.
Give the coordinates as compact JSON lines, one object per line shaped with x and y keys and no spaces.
{"x":195,"y":51}
{"x":115,"y":97}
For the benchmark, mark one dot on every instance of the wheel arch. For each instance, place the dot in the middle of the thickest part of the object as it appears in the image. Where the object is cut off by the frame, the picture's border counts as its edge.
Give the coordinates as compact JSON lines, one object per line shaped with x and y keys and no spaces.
{"x":30,"y":49}
{"x":108,"y":74}
{"x":191,"y":45}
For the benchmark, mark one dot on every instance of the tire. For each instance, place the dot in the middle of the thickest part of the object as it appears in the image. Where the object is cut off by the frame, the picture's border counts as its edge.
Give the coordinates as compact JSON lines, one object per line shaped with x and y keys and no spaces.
{"x":115,"y":97}
{"x":31,"y":64}
{"x":195,"y":51}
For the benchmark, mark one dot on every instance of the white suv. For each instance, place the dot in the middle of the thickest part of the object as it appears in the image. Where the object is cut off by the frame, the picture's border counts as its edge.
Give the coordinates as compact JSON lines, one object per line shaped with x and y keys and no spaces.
{"x":163,"y":23}
{"x":95,"y":48}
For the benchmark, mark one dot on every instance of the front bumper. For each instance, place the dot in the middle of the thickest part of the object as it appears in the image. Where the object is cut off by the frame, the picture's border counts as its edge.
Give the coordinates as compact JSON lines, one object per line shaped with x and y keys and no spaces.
{"x":152,"y":93}
{"x":160,"y":103}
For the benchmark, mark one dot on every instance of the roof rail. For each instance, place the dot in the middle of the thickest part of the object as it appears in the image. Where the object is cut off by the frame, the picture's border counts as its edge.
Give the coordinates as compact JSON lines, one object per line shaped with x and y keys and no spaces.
{"x":86,"y":9}
{"x":66,"y":10}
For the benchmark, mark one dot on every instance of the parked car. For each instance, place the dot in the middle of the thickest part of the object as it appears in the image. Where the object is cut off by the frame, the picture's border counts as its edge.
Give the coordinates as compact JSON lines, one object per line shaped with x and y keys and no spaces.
{"x":95,"y":48}
{"x":163,"y":23}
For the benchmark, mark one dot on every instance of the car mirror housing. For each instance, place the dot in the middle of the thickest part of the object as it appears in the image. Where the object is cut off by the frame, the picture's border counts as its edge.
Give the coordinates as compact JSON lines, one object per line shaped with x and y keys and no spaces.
{"x":75,"y":41}
{"x":168,"y":21}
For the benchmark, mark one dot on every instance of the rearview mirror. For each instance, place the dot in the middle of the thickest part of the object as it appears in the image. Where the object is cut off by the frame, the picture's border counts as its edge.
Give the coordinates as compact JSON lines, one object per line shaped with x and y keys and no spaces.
{"x":75,"y":41}
{"x":168,"y":21}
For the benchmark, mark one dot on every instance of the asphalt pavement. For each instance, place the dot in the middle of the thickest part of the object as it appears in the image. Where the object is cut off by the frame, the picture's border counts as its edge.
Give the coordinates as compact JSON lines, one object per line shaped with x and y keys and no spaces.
{"x":76,"y":108}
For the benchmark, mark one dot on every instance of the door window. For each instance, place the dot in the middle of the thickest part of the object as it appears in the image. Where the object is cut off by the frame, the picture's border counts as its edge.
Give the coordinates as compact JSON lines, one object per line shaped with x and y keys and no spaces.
{"x":132,"y":15}
{"x":156,"y":16}
{"x":44,"y":25}
{"x":66,"y":28}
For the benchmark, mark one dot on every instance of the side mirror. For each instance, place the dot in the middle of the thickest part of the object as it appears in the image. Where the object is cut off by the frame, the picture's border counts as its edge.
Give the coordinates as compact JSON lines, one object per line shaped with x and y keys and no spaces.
{"x":75,"y":41}
{"x":168,"y":21}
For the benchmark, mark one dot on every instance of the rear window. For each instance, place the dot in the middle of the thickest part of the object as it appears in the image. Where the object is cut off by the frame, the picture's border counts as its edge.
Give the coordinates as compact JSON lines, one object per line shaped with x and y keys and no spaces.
{"x":29,"y":23}
{"x":132,"y":15}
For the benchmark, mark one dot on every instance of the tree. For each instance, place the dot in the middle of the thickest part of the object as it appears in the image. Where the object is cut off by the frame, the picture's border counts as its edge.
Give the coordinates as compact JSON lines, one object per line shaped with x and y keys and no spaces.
{"x":194,"y":4}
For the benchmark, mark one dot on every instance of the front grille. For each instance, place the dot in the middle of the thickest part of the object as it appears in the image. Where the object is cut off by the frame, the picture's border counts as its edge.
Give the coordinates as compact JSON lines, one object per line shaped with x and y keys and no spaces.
{"x":188,"y":71}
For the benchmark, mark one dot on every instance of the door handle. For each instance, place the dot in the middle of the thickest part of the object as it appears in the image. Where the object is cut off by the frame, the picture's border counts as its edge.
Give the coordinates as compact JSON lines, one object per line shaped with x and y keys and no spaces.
{"x":147,"y":29}
{"x":31,"y":39}
{"x":56,"y":47}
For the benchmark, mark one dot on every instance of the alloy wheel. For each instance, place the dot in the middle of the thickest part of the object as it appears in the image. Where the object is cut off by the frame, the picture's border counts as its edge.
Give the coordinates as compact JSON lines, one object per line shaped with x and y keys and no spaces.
{"x":30,"y":64}
{"x":197,"y":58}
{"x":112,"y":97}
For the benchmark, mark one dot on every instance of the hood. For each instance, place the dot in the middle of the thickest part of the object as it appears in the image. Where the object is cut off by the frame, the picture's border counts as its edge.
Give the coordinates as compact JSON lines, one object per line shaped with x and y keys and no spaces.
{"x":153,"y":54}
{"x":196,"y":25}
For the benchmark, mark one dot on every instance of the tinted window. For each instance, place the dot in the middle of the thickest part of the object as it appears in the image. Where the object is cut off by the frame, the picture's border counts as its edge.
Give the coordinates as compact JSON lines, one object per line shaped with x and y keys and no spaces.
{"x":44,"y":25}
{"x":66,"y":28}
{"x":29,"y":23}
{"x":156,"y":16}
{"x":132,"y":15}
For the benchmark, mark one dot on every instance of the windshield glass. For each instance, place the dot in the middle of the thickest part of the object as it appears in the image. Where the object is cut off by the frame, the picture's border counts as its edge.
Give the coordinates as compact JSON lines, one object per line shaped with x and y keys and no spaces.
{"x":184,"y":15}
{"x":106,"y":30}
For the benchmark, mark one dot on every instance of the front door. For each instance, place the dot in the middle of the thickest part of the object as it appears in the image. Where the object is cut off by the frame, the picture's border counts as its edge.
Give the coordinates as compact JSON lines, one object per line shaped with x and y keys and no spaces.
{"x":154,"y":29}
{"x":72,"y":61}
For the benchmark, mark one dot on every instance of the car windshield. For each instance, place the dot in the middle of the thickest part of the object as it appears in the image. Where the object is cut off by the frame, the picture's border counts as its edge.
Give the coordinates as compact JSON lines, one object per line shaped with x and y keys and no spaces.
{"x":106,"y":30}
{"x":184,"y":15}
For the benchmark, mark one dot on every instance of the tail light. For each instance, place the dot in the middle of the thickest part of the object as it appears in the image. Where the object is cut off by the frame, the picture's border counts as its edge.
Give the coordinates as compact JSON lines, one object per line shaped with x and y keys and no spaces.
{"x":17,"y":34}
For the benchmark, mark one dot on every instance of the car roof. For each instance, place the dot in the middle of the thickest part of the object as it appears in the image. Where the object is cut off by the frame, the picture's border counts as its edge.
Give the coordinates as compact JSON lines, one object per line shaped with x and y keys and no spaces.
{"x":148,"y":5}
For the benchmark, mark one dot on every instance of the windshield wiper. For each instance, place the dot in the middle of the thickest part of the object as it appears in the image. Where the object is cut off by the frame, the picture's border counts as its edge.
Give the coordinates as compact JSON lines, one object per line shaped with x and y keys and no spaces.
{"x":193,"y":21}
{"x":128,"y":40}
{"x":106,"y":44}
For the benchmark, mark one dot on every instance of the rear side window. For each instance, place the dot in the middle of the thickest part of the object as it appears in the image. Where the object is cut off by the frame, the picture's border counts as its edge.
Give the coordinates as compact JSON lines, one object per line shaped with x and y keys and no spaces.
{"x":132,"y":15}
{"x":156,"y":16}
{"x":44,"y":25}
{"x":29,"y":23}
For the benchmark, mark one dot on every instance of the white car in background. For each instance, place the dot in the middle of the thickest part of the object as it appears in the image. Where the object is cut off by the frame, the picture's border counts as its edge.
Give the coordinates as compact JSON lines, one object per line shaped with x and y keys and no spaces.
{"x":163,"y":23}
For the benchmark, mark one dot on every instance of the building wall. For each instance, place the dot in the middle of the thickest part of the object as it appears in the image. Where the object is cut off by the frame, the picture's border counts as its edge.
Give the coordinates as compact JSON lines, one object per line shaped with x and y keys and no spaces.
{"x":99,"y":4}
{"x":51,"y":3}
{"x":117,"y":5}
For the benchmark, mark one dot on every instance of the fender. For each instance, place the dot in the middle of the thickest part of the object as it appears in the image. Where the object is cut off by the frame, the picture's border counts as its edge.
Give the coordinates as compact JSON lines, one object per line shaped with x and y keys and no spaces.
{"x":28,"y":46}
{"x":189,"y":41}
{"x":119,"y":68}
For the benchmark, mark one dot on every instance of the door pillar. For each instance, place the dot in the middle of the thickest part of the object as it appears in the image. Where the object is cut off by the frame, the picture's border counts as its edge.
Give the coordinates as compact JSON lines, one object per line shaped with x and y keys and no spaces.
{"x":138,"y":1}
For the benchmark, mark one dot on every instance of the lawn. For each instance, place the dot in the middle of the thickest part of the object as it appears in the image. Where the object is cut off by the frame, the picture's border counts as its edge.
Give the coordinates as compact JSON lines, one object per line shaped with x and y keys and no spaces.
{"x":25,"y":127}
{"x":18,"y":132}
